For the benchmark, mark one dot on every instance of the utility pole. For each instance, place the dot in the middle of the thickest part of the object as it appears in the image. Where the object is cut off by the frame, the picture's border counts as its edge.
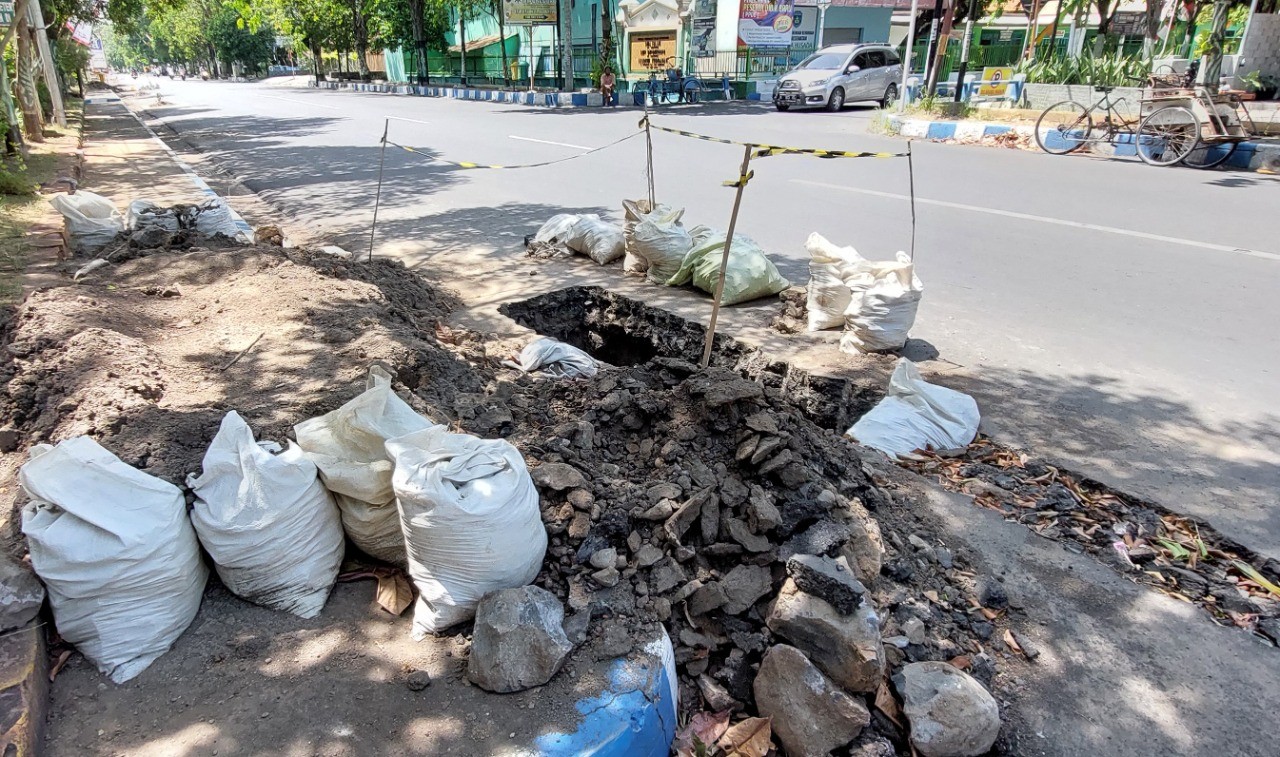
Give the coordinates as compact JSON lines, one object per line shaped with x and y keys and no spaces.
{"x":964,"y":49}
{"x":906,"y":58}
{"x":940,"y":50}
{"x":929,"y":47}
{"x":35,"y":17}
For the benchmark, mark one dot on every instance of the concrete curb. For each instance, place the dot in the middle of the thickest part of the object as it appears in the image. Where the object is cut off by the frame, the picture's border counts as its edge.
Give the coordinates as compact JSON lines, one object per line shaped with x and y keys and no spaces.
{"x":24,"y":690}
{"x":528,"y":99}
{"x":1248,"y":155}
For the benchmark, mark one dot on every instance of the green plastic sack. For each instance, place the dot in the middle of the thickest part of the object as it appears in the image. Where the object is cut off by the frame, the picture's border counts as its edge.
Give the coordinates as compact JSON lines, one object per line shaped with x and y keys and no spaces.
{"x":751,"y":275}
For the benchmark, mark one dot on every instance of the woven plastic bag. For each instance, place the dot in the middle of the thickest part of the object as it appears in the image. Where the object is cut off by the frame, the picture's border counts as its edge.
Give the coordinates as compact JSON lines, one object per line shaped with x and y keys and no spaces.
{"x":915,"y":414}
{"x":270,"y":526}
{"x":750,"y":274}
{"x":828,"y":294}
{"x":884,"y":297}
{"x":348,"y":445}
{"x":635,"y":211}
{"x":116,"y":552}
{"x":469,"y":511}
{"x":92,"y":220}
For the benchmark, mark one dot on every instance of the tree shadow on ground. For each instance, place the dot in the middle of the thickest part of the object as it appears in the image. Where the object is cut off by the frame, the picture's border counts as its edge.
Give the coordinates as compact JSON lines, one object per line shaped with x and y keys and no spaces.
{"x":714,"y":108}
{"x":1224,"y":471}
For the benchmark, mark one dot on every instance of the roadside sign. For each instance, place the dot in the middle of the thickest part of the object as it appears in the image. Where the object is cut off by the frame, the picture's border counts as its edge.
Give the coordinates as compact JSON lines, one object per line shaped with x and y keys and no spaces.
{"x":997,"y":78}
{"x":6,"y":12}
{"x":529,"y":11}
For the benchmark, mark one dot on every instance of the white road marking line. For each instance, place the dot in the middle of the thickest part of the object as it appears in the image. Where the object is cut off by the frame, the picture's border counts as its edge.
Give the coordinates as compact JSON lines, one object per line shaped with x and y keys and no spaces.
{"x":410,"y":120}
{"x":301,"y":102}
{"x":1056,"y":221}
{"x":548,"y":142}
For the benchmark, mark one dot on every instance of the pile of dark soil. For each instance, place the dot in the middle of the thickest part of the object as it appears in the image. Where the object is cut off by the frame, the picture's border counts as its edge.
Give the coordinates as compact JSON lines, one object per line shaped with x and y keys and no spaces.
{"x":672,"y":495}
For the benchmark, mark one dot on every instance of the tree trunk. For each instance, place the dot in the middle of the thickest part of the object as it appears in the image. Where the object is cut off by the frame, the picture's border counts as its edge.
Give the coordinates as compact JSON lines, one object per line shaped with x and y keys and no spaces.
{"x":28,"y":97}
{"x":419,"y":40}
{"x":502,"y":42}
{"x":360,"y":28}
{"x":462,"y":46}
{"x":316,"y":52}
{"x":213,"y":62}
{"x":1217,"y":36}
{"x":566,"y":39}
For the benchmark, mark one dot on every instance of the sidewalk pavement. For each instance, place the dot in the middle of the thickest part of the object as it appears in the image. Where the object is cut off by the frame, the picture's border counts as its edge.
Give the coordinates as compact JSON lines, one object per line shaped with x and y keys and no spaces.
{"x":1248,"y":155}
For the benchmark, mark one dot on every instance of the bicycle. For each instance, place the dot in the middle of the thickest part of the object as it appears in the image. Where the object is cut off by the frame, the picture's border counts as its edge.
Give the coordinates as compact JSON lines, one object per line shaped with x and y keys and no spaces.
{"x":1163,"y":138}
{"x":676,"y":87}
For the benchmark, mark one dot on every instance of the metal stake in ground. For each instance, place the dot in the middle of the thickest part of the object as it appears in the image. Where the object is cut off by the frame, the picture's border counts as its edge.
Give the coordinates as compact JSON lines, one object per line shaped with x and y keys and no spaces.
{"x":741,"y":184}
{"x":911,"y":184}
{"x":377,"y":198}
{"x":964,"y":49}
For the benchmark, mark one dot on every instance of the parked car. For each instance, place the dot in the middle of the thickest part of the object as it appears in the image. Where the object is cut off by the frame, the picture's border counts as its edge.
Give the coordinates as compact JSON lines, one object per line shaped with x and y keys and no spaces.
{"x":841,"y":74}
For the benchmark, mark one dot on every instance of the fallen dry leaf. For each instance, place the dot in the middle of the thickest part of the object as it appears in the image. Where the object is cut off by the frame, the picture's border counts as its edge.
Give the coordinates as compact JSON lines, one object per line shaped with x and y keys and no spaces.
{"x":961,"y":662}
{"x":395,"y":593}
{"x":1012,"y":642}
{"x":56,"y":668}
{"x":748,"y":738}
{"x":702,"y":732}
{"x":887,"y":704}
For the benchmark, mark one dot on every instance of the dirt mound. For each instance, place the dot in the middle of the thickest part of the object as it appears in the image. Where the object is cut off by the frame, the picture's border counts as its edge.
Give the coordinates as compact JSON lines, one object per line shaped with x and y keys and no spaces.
{"x":147,"y":356}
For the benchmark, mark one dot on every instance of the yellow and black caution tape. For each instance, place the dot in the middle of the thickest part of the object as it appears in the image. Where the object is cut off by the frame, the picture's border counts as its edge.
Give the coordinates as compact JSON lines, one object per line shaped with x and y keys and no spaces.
{"x":466,"y":164}
{"x":764,"y":151}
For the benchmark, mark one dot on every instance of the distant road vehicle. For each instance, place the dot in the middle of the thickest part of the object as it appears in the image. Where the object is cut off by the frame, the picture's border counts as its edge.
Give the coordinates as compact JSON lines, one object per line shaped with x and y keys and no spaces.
{"x":840,"y":74}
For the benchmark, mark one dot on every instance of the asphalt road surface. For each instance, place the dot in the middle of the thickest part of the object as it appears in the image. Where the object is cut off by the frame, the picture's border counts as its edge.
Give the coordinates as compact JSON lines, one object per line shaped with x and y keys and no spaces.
{"x":1119,"y":317}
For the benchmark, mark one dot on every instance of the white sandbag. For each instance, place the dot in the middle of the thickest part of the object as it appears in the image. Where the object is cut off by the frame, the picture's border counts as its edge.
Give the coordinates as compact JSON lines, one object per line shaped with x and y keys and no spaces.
{"x":662,"y":243}
{"x":556,"y":228}
{"x":556,"y":358}
{"x":214,"y":217}
{"x":750,"y":275}
{"x":635,"y":211}
{"x":596,"y":238}
{"x":143,"y":214}
{"x":883,"y":300}
{"x":471,"y":522}
{"x":347,"y":445}
{"x":91,"y":220}
{"x":915,"y":414}
{"x":270,"y":526}
{"x":828,"y":294}
{"x":116,"y":552}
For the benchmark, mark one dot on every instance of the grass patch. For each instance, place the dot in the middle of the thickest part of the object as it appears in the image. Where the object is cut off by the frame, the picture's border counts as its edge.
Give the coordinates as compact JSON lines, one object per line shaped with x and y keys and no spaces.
{"x":21,"y":205}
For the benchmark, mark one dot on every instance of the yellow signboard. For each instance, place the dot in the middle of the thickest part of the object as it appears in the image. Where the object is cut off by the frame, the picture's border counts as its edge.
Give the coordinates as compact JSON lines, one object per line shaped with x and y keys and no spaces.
{"x":651,"y":52}
{"x":997,"y":80}
{"x":529,"y":11}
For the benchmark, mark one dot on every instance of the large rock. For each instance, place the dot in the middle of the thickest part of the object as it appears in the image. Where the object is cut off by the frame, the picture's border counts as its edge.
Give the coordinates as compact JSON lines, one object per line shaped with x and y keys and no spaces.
{"x":951,"y":714}
{"x":519,"y":640}
{"x":558,"y":476}
{"x":21,"y":594}
{"x":744,"y":586}
{"x":846,"y":647}
{"x":865,"y":548}
{"x":830,"y":579}
{"x":811,"y":715}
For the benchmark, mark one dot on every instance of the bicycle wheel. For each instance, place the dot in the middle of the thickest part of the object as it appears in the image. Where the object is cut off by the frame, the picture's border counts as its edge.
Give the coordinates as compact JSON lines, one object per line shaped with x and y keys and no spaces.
{"x":692,"y":90}
{"x":670,"y":94}
{"x":1207,"y":155}
{"x":1167,"y":135}
{"x":1064,"y":127}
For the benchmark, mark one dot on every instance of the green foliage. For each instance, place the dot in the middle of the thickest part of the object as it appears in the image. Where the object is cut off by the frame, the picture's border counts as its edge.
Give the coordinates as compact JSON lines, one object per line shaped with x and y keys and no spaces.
{"x":1099,"y":71}
{"x":70,"y":58}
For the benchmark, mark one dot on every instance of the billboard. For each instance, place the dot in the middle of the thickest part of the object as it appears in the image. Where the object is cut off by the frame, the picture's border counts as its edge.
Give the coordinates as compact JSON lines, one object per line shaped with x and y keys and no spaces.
{"x":529,"y":11}
{"x":702,"y":42}
{"x":765,"y":23}
{"x":652,"y":52}
{"x":804,"y":33}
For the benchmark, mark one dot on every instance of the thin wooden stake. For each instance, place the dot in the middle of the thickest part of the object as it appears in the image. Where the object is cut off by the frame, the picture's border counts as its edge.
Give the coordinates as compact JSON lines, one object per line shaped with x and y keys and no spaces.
{"x":377,"y":199}
{"x":648,"y":146}
{"x":911,"y":179}
{"x":242,"y":353}
{"x":724,"y":260}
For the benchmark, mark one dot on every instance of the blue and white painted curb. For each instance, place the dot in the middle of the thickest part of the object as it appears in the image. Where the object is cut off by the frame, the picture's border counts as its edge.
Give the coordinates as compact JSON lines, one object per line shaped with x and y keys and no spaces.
{"x":535,"y":99}
{"x":635,"y":714}
{"x":1249,"y":155}
{"x":243,"y":229}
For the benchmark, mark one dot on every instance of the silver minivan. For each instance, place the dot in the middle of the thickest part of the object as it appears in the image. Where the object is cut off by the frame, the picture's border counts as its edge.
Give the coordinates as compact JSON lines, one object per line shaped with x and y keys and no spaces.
{"x":841,"y":74}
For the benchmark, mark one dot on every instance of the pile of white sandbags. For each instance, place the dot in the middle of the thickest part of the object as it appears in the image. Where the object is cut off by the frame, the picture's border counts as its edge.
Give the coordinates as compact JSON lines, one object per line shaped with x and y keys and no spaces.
{"x":874,"y":301}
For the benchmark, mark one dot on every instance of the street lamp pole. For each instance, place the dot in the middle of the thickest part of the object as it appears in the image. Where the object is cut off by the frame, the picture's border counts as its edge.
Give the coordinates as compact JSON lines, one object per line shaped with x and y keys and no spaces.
{"x":822,"y":19}
{"x":906,"y":55}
